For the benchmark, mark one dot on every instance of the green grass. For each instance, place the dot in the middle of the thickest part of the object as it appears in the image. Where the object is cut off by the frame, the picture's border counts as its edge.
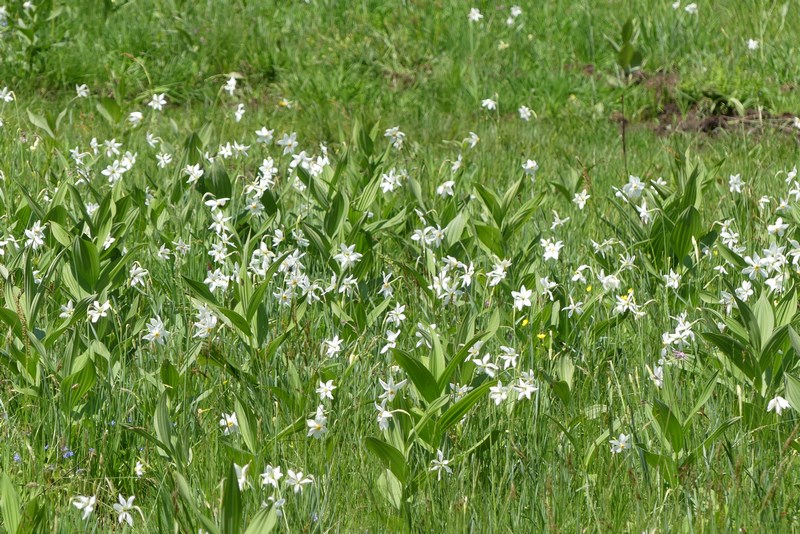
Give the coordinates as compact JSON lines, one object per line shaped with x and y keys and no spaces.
{"x":84,"y":402}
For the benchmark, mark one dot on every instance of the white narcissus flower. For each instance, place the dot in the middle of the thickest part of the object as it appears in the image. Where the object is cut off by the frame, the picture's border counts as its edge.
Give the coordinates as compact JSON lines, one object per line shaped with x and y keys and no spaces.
{"x":619,"y":444}
{"x":325,"y":390}
{"x":137,"y":274}
{"x":384,"y":415}
{"x":156,"y":333}
{"x":67,"y":310}
{"x":112,"y":147}
{"x":446,"y":189}
{"x":396,"y":137}
{"x":552,"y":248}
{"x":777,"y":405}
{"x":499,"y":393}
{"x":158,"y":102}
{"x":124,"y":508}
{"x":735,"y":183}
{"x":522,"y":298}
{"x":672,"y":280}
{"x":391,"y":340}
{"x":85,"y":504}
{"x":271,"y":476}
{"x":135,"y":118}
{"x":97,"y":310}
{"x":35,"y":236}
{"x":241,"y":475}
{"x":530,"y":167}
{"x":390,"y":389}
{"x":348,"y":257}
{"x":264,"y":136}
{"x":229,"y":423}
{"x":230,"y":86}
{"x":296,"y":480}
{"x":288,"y":142}
{"x":318,"y":427}
{"x":440,"y":464}
{"x":778,"y":228}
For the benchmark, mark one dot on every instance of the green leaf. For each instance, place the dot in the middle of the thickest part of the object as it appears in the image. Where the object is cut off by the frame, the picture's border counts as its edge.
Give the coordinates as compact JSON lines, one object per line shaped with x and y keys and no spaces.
{"x":422,"y":379}
{"x":110,"y":110}
{"x":336,"y":215}
{"x":718,"y":431}
{"x":732,"y":257}
{"x":9,"y":504}
{"x":391,"y":489}
{"x":627,"y":31}
{"x":625,"y":56}
{"x":668,"y":424}
{"x":200,"y":291}
{"x":247,"y":425}
{"x":688,"y":225}
{"x":566,"y":370}
{"x":231,"y":504}
{"x":455,"y":412}
{"x":437,"y":362}
{"x":735,"y":351}
{"x":169,"y":377}
{"x":188,"y":498}
{"x":765,"y":318}
{"x":390,"y":456}
{"x":459,"y":358}
{"x":454,"y":229}
{"x":263,"y":522}
{"x":85,"y":263}
{"x":41,"y":122}
{"x":491,"y":238}
{"x":786,"y":309}
{"x":11,"y":319}
{"x":751,"y":323}
{"x":216,"y":182}
{"x":163,"y":425}
{"x":237,"y":321}
{"x":76,"y":385}
{"x":63,"y":237}
{"x":491,"y":202}
{"x":772,"y":354}
{"x":512,"y":192}
{"x":702,"y":399}
{"x":793,"y":391}
{"x":314,"y":186}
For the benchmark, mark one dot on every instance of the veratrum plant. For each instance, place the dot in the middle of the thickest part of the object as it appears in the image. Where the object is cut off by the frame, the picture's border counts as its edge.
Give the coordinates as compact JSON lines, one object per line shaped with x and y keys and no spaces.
{"x":668,"y":221}
{"x":36,"y":31}
{"x":757,"y":348}
{"x":673,"y":427}
{"x":424,"y":423}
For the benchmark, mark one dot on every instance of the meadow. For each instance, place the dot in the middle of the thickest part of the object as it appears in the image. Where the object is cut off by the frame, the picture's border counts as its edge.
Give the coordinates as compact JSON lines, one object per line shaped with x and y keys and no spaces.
{"x":399,"y":266}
